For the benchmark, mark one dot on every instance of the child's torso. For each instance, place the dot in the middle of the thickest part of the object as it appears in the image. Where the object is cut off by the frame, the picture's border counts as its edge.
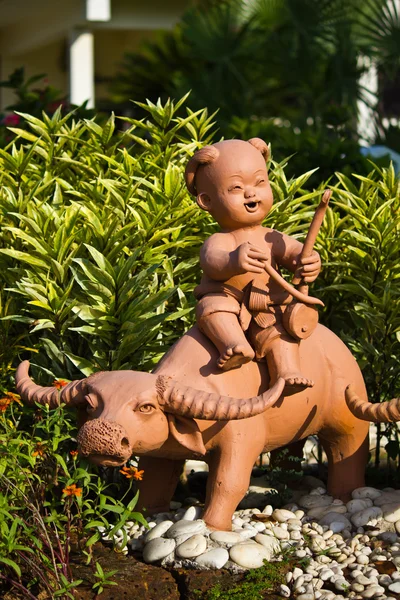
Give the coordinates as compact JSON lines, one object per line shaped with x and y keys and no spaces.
{"x":259,"y":238}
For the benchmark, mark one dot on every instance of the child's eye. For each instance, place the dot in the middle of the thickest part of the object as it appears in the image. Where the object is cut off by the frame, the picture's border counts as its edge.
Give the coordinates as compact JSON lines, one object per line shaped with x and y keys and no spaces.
{"x":235,"y":187}
{"x":260,"y":181}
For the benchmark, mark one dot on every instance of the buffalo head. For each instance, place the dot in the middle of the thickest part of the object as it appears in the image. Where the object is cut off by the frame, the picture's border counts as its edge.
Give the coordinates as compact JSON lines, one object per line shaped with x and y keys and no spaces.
{"x":129,"y":412}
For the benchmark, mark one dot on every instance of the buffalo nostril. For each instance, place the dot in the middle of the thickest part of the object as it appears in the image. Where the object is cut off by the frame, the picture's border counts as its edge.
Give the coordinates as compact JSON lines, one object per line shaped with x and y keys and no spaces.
{"x":125,"y":442}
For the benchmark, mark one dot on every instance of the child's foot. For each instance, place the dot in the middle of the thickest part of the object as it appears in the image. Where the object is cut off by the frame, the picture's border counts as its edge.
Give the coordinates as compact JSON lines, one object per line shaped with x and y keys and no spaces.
{"x":297,"y":381}
{"x":234,"y":357}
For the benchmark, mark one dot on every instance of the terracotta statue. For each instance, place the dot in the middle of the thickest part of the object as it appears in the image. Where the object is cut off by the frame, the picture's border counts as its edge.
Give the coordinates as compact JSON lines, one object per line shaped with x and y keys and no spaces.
{"x":196,"y":404}
{"x":187,"y":409}
{"x":237,"y":294}
{"x":383,"y":412}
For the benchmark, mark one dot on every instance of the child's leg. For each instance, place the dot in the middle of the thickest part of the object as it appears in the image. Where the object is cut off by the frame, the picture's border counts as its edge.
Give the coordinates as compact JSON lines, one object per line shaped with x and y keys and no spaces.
{"x":284,"y":361}
{"x":223,"y":329}
{"x":281,"y":352}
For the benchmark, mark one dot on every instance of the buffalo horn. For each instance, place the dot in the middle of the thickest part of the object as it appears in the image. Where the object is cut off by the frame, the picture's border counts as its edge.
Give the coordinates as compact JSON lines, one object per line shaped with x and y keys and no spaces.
{"x":188,"y":402}
{"x":72,"y":394}
{"x":384,"y":412}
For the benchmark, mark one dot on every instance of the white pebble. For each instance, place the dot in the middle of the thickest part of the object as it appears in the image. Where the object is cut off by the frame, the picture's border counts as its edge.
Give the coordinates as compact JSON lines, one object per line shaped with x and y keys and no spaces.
{"x":157,"y":549}
{"x":194,"y":546}
{"x":182,"y":527}
{"x":213,"y":559}
{"x":249,"y":555}
{"x":158,"y":530}
{"x":284,"y":591}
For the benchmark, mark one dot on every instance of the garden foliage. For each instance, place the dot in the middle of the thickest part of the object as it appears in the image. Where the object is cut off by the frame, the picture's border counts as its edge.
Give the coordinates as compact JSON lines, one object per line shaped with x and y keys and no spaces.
{"x":99,"y":246}
{"x":288,"y":70}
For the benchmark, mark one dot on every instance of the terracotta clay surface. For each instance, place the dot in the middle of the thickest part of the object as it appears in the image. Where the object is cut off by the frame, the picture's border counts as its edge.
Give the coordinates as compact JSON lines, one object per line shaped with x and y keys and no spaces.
{"x":164,"y":420}
{"x":241,"y":298}
{"x":384,"y":412}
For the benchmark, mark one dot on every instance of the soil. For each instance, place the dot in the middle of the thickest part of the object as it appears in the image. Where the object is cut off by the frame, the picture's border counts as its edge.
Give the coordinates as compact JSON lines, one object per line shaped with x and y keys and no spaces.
{"x":138,"y":581}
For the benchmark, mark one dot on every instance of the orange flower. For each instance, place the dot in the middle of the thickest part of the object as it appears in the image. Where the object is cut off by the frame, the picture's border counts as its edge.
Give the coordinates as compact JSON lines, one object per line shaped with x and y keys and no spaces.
{"x":59,"y":383}
{"x":72,"y":490}
{"x":39,"y":451}
{"x":74,"y":454}
{"x":132,"y":473}
{"x":7,"y":399}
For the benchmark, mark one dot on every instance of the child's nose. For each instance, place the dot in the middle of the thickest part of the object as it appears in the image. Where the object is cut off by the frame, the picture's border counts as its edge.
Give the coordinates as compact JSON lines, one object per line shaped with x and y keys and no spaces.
{"x":249,"y":193}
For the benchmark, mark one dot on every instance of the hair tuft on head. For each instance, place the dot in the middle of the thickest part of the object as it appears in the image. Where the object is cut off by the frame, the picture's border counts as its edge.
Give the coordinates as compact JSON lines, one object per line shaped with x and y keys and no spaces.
{"x":261,"y":146}
{"x":204,"y":156}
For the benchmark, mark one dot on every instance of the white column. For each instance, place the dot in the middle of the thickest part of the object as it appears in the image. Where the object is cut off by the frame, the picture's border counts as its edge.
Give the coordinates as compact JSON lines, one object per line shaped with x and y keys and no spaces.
{"x":366,"y":115}
{"x":81,"y":67}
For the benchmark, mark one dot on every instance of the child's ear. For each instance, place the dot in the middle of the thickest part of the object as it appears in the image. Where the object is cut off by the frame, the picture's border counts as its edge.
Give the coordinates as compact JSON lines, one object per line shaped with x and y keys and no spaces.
{"x":204,"y":201}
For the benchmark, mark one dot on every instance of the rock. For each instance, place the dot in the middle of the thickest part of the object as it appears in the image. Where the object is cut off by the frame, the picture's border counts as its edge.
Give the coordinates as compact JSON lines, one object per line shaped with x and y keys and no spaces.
{"x":158,"y":549}
{"x":310,"y":501}
{"x":362,"y":579}
{"x":280,"y":533}
{"x":388,"y":536}
{"x":269,"y":542}
{"x":158,"y":530}
{"x":387,"y":498}
{"x":365,"y":516}
{"x":284,"y":591}
{"x":228,"y":538}
{"x":391,"y":512}
{"x":333,"y":517}
{"x":320,"y":511}
{"x":358,"y":504}
{"x":194,"y":546}
{"x":268,"y":510}
{"x":249,"y":555}
{"x":373,"y":590}
{"x":397,"y":527}
{"x":312,"y":482}
{"x":366,"y":492}
{"x":213,"y":559}
{"x":394,"y":587}
{"x":184,"y":527}
{"x":246,"y":534}
{"x":192,"y":513}
{"x":281,"y":515}
{"x":362,"y":559}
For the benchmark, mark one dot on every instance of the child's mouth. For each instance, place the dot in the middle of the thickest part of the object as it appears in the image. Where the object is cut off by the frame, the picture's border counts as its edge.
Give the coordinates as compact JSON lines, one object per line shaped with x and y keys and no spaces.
{"x":251,"y":206}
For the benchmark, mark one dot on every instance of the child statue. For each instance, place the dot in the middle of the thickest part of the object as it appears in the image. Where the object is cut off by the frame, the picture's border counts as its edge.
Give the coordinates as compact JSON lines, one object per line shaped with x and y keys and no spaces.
{"x":236,"y":294}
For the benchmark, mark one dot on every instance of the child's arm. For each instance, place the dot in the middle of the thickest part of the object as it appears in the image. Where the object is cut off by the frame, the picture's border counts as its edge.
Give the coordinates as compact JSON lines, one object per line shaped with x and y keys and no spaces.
{"x":287,"y":251}
{"x":220,"y":260}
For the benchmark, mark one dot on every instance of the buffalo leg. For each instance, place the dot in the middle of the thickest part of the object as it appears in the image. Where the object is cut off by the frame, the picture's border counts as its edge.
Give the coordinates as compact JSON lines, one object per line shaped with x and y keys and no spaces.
{"x":227,"y":483}
{"x":347,"y":457}
{"x":160,"y":478}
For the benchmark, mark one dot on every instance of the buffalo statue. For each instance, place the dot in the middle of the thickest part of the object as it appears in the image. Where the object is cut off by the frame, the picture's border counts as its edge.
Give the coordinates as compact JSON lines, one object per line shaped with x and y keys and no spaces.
{"x":384,"y":412}
{"x":188,"y":409}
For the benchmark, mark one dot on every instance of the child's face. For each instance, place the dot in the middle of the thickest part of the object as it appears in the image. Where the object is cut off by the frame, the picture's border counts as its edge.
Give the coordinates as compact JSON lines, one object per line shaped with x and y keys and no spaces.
{"x":235,"y":189}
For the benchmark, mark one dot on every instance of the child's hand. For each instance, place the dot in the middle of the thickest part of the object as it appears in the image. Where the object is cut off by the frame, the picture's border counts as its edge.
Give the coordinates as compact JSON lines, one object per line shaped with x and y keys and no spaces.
{"x":311,"y":267}
{"x":249,"y":259}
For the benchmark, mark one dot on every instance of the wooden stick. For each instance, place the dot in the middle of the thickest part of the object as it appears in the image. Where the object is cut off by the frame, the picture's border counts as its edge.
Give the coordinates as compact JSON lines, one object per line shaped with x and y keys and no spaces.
{"x":312,"y":236}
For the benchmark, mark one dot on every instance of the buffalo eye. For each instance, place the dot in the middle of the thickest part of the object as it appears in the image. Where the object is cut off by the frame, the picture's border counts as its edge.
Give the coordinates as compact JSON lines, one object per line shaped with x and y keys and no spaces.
{"x":92,"y":403}
{"x":146,"y":408}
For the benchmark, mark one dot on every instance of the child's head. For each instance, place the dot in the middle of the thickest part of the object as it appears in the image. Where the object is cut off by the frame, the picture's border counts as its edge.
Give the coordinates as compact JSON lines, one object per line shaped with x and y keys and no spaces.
{"x":230,"y":181}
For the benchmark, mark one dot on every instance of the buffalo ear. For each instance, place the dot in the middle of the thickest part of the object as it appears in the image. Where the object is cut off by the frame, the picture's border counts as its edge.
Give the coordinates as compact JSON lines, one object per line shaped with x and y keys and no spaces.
{"x":187,"y":433}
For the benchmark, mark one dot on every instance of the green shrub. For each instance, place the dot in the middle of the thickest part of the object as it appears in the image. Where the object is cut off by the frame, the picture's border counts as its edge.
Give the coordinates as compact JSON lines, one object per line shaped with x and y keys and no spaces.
{"x":99,"y":238}
{"x":49,"y":499}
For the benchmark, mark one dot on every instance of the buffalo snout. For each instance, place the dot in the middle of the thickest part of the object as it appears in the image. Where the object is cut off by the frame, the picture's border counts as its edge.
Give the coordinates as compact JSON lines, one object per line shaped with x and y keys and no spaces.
{"x":104,"y":442}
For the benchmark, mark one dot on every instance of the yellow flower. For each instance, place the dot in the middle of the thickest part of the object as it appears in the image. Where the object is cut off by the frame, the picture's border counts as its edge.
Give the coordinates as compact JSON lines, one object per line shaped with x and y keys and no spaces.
{"x":132,"y":473}
{"x":74,"y":454}
{"x":72,"y":490}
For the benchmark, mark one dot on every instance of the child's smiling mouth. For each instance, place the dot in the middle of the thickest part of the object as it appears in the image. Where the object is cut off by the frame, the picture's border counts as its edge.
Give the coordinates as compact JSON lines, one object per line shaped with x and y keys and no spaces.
{"x":252,"y":206}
